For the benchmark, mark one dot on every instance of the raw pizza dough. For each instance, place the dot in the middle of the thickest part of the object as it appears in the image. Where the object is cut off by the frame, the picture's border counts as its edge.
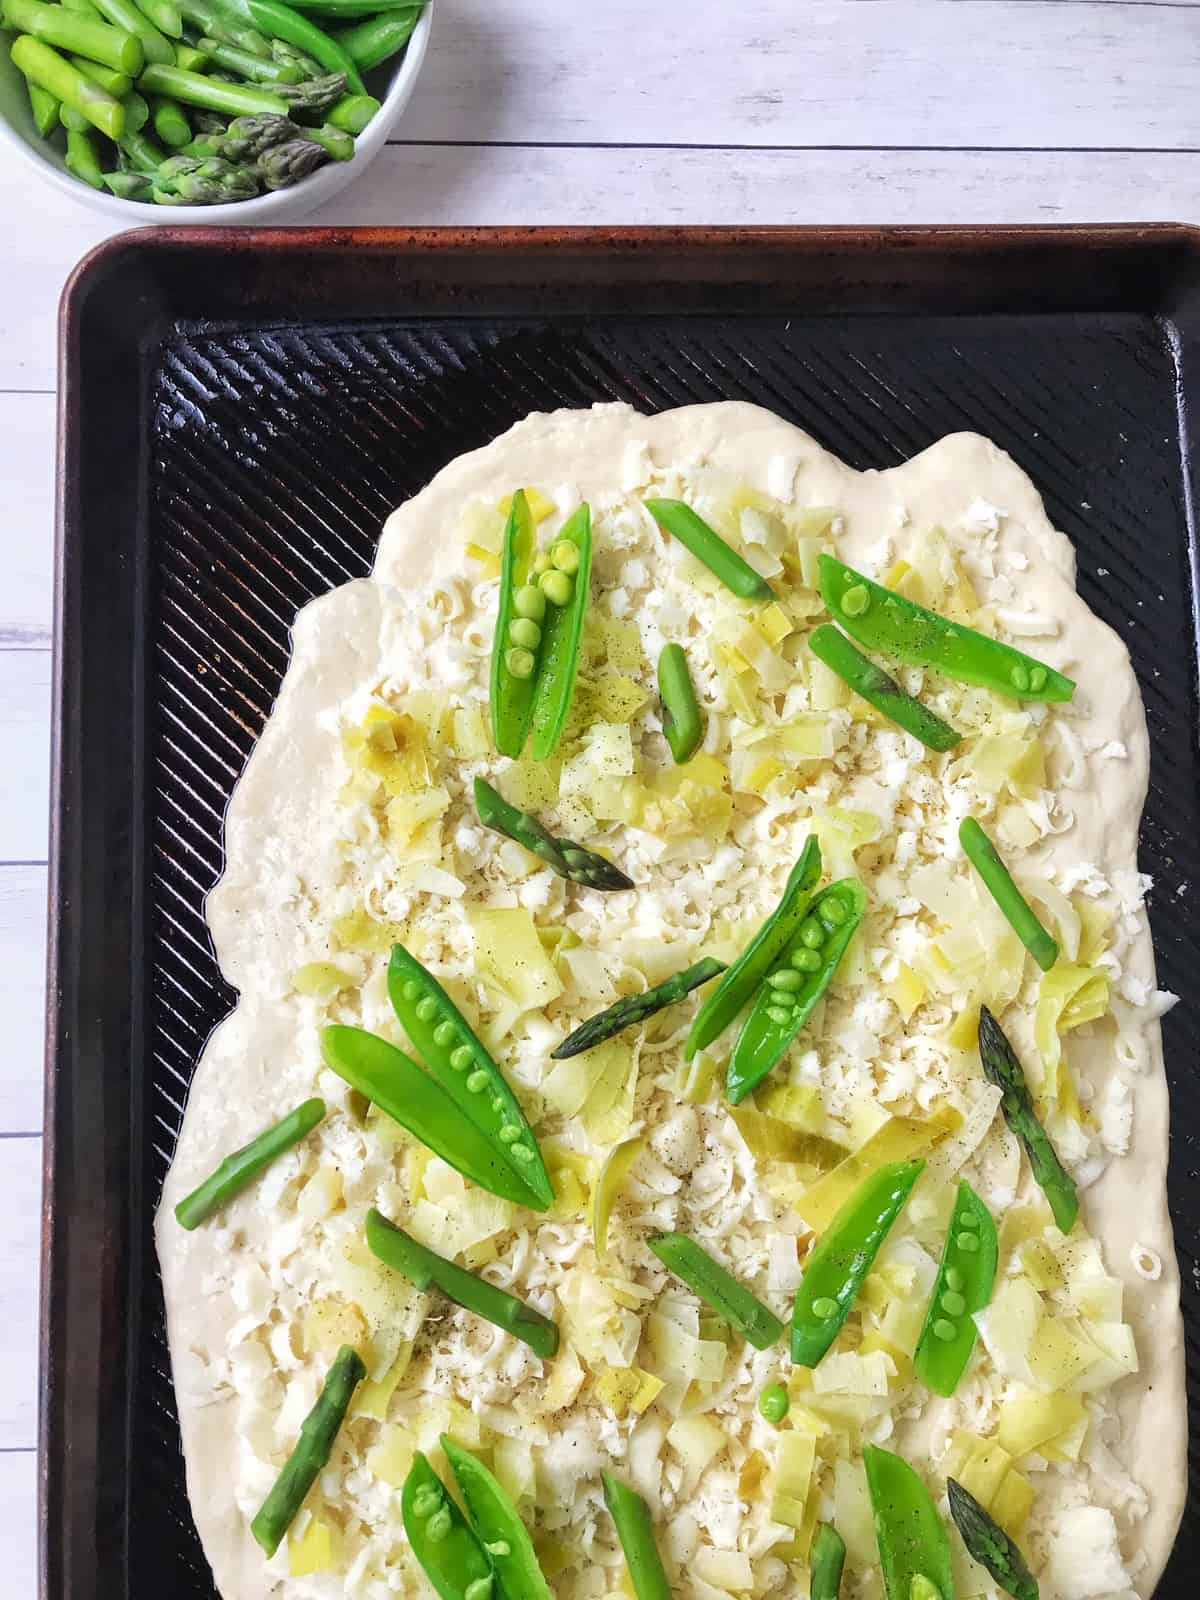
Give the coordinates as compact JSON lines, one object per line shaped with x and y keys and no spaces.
{"x":267,"y":914}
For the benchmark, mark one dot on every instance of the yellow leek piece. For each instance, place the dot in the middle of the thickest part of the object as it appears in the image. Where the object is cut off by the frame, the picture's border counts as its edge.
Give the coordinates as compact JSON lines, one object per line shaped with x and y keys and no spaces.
{"x":318,"y":1549}
{"x":372,"y":1399}
{"x":1029,"y":1421}
{"x":1060,"y":1356}
{"x":1012,"y":1503}
{"x":1095,"y":925}
{"x":907,"y":991}
{"x":627,"y":1390}
{"x":320,"y":980}
{"x":622,"y":644}
{"x":985,"y":1470}
{"x":540,"y":505}
{"x":393,"y":1454}
{"x":770,"y":1139}
{"x":469,"y":736}
{"x":532,"y":785}
{"x":697,"y":1077}
{"x":774,"y":624}
{"x":613,"y":1174}
{"x":612,"y":698}
{"x":727,"y":1570}
{"x":329,"y":1324}
{"x":487,"y":559}
{"x":554,"y":1557}
{"x":512,"y":1462}
{"x":795,"y":1458}
{"x":697,"y":1441}
{"x":798,"y":1104}
{"x":608,"y":1109}
{"x":509,"y":956}
{"x":679,"y":1354}
{"x":356,"y":930}
{"x":1068,"y":996}
{"x":1041,"y":1266}
{"x":899,"y":1139}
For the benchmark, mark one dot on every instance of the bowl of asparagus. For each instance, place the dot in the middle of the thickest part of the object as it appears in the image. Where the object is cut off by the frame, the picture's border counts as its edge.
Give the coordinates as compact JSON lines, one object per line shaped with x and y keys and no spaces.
{"x":252,"y":111}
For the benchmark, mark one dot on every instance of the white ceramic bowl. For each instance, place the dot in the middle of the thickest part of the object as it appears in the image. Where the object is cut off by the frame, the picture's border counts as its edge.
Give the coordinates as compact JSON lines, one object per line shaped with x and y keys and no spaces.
{"x":45,"y":163}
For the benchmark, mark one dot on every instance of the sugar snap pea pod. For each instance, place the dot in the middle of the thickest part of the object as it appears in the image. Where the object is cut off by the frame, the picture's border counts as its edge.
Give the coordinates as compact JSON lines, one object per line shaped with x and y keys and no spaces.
{"x":679,"y":520}
{"x":842,"y":1258}
{"x":964,"y":1283}
{"x":244,"y":1165}
{"x":912,"y":1539}
{"x":514,"y":665}
{"x":683,"y":725}
{"x":742,"y":979}
{"x":568,"y":859}
{"x":376,"y":39}
{"x":398,"y":1086}
{"x":731,"y":1300}
{"x":118,"y":84}
{"x":444,"y":1040}
{"x":825,"y":1563}
{"x":312,"y":1450}
{"x":636,"y":1008}
{"x":997,"y":880}
{"x":443,"y":1541}
{"x":881,"y":620}
{"x":635,"y":1529}
{"x":987,"y":1543}
{"x":562,"y":634}
{"x":426,"y":1269}
{"x":880,"y":689}
{"x":498,"y":1524}
{"x":45,"y":109}
{"x":1001,"y":1067}
{"x":795,"y":982}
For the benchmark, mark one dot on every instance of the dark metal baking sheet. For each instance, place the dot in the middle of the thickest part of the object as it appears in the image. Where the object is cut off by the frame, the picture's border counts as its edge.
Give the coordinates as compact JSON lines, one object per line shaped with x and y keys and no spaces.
{"x":239,"y":411}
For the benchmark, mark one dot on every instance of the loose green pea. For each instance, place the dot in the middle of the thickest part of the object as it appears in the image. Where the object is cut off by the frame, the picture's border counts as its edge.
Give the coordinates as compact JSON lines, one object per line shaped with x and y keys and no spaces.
{"x":477,"y":1082}
{"x":953,"y":1303}
{"x":412,"y":989}
{"x":944,"y":1330}
{"x":824,"y":1308}
{"x":525,"y":632}
{"x":805,"y":960}
{"x":565,"y":556}
{"x":832,"y":913}
{"x":786,"y":979}
{"x":530,"y":602}
{"x":1019,"y":678}
{"x":438,"y":1526}
{"x":968,"y":1242}
{"x":812,"y":934}
{"x":427,"y":1009}
{"x":954,"y":1279}
{"x":557,"y":587}
{"x":856,"y":600}
{"x":520,"y":662}
{"x":461,"y":1059}
{"x":444,"y":1034}
{"x":773,"y":1403}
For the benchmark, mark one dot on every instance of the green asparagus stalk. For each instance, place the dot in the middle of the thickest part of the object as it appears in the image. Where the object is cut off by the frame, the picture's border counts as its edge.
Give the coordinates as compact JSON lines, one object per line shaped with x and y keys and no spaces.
{"x":336,"y":144}
{"x":142,"y":154}
{"x":244,"y":1165}
{"x":188,"y":181}
{"x":1001,"y":1067}
{"x":285,"y":164}
{"x":636,"y":1008}
{"x":313,"y":1449}
{"x":78,"y":35}
{"x":216,"y":23}
{"x":190,"y":58}
{"x":194,"y":89}
{"x":118,"y":84}
{"x":997,"y":880}
{"x":129,"y":185}
{"x":287,"y":55}
{"x":245,"y":138}
{"x":987,"y":1543}
{"x":72,"y":119}
{"x":58,"y":77}
{"x":315,"y":97}
{"x":164,"y":14}
{"x":83,"y":157}
{"x":376,"y":39}
{"x":245,"y":65}
{"x":137,"y":111}
{"x":353,"y":112}
{"x":170,"y":123}
{"x":45,"y":109}
{"x":124,"y":14}
{"x":83,"y":8}
{"x":568,"y":859}
{"x":826,"y":1561}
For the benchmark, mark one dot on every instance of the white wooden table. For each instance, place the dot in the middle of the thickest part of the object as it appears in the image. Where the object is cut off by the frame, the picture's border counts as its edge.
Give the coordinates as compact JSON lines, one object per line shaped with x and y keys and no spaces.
{"x":556,"y":111}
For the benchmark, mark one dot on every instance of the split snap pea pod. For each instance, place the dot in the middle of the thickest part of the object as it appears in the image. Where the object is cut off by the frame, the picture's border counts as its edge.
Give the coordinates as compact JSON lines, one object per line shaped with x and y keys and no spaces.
{"x":447,"y":1547}
{"x":445,"y":1041}
{"x":636,"y":1008}
{"x":742,"y":979}
{"x":398,"y":1086}
{"x":683,"y":725}
{"x":987,"y":1543}
{"x":568,"y":859}
{"x":1001,"y":1067}
{"x":881,"y":620}
{"x":880,"y":689}
{"x":244,"y":1165}
{"x":997,"y":880}
{"x":635,"y":1529}
{"x":731,"y":1300}
{"x":562,"y":633}
{"x":843,"y":1256}
{"x":914,"y":1547}
{"x":678,"y":519}
{"x":795,"y":982}
{"x":826,"y":1561}
{"x":426,"y":1269}
{"x":313,"y":1449}
{"x":498,"y":1524}
{"x":514,"y":665}
{"x":964,"y":1283}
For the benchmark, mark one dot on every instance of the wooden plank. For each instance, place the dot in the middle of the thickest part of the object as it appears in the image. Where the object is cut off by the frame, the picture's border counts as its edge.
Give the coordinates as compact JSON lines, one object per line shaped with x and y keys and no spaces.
{"x":18,"y":1518}
{"x":20,"y":1206}
{"x":22,"y":996}
{"x":25,"y":741}
{"x":445,"y":185}
{"x":26,"y":519}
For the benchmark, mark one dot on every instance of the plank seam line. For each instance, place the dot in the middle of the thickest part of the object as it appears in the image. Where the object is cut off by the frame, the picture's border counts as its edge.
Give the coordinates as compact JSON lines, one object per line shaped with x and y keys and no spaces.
{"x":20,"y":1136}
{"x":796,"y":149}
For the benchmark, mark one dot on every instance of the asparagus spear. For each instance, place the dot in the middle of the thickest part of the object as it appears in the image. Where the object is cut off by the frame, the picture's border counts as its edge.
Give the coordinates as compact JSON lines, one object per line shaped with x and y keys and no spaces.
{"x":45,"y":109}
{"x":636,"y":1008}
{"x":245,"y":65}
{"x":1002,"y":1068}
{"x":129,"y":185}
{"x":313,"y":1448}
{"x":339,"y":145}
{"x":316,"y":96}
{"x":245,"y":138}
{"x":170,"y":123}
{"x":187,"y":180}
{"x":83,"y":158}
{"x":190,"y":58}
{"x":218,"y":24}
{"x":987,"y":1543}
{"x":568,"y":859}
{"x":118,"y":84}
{"x":195,"y":89}
{"x":287,"y":55}
{"x":164,"y":14}
{"x":58,"y":77}
{"x":353,"y":112}
{"x":78,"y":35}
{"x":142,"y":154}
{"x":124,"y":14}
{"x":286,"y":163}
